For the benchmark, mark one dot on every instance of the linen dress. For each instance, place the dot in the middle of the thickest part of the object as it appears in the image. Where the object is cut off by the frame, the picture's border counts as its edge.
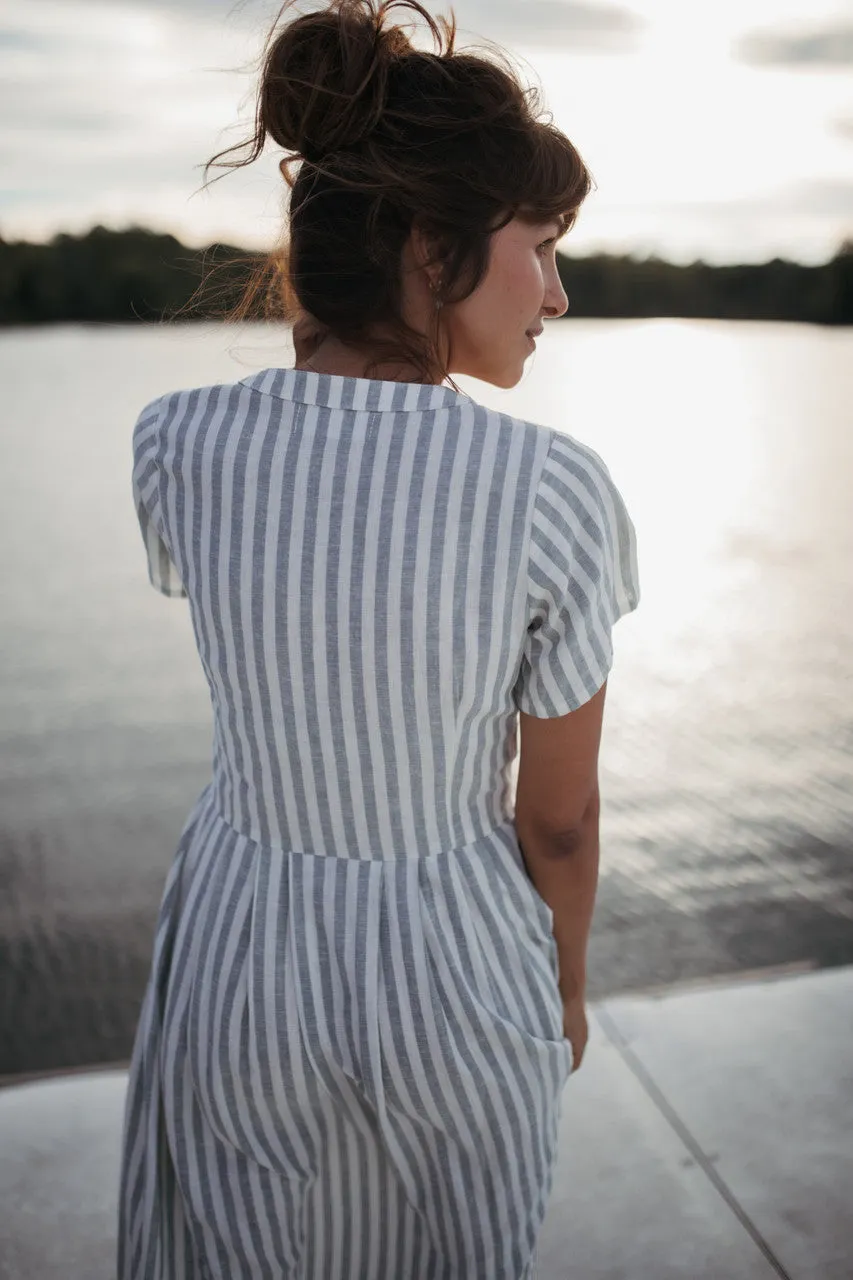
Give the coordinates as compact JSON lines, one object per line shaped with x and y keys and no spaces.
{"x":350,"y":1057}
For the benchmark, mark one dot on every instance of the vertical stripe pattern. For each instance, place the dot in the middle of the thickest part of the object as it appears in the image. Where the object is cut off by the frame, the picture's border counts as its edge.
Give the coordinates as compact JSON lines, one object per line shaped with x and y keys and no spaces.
{"x":350,"y":1059}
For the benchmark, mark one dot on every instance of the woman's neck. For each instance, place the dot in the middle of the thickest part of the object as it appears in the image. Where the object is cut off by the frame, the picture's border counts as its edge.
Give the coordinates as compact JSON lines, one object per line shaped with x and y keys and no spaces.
{"x":332,"y":356}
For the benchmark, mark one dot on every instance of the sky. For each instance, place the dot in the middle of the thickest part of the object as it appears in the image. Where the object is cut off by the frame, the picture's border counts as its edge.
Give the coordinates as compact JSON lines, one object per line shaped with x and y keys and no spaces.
{"x":714,"y":129}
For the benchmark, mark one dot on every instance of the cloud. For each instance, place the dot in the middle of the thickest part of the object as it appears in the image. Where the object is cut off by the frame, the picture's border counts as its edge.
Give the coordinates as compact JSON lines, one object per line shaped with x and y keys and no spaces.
{"x":581,"y":25}
{"x":823,"y":47}
{"x":109,"y":108}
{"x":812,"y":198}
{"x":16,"y":38}
{"x":573,"y":24}
{"x":818,"y":199}
{"x":102,"y":97}
{"x":801,"y":220}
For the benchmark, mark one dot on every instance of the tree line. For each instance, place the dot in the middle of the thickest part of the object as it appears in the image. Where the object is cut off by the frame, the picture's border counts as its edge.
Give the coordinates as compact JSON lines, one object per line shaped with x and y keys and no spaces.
{"x":140,"y":275}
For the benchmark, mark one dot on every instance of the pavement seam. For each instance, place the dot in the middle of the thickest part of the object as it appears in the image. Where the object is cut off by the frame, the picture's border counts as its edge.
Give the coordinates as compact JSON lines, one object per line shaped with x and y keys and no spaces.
{"x":671,"y":1116}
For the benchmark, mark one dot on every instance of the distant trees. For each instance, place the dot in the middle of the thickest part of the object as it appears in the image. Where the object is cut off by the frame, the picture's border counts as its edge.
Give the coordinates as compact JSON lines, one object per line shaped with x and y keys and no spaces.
{"x":117,"y":275}
{"x":776,"y":290}
{"x":143,"y":276}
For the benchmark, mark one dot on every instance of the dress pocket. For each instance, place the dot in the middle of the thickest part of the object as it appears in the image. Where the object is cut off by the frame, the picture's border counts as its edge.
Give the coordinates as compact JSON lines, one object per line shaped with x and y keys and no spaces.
{"x":517,"y":873}
{"x":516,"y":948}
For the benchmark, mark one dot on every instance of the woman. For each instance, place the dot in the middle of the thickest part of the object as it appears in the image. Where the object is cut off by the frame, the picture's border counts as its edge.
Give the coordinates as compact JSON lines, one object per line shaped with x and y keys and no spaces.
{"x":367,"y":989}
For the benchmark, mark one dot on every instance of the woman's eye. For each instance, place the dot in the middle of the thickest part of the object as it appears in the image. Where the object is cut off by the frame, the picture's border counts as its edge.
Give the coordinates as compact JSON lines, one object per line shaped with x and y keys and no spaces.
{"x":546,"y":244}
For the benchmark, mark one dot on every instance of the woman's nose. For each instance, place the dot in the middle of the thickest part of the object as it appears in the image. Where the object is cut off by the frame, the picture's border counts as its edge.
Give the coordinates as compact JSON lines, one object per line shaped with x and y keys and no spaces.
{"x":558,"y":300}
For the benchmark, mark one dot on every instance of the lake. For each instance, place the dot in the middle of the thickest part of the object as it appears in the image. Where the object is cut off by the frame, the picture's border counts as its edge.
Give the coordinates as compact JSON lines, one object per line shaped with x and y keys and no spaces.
{"x":726,"y":760}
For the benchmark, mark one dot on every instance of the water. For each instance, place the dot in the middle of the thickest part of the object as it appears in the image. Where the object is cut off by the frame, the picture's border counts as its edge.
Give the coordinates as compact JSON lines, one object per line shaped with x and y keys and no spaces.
{"x":728,"y":737}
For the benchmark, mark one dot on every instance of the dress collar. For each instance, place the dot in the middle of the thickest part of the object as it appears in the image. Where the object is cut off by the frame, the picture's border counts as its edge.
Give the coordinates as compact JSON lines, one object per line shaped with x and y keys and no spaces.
{"x":338,"y":391}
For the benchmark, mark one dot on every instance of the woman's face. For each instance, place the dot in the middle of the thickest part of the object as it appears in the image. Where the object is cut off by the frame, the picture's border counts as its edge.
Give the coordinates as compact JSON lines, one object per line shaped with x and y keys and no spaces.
{"x":489,"y":330}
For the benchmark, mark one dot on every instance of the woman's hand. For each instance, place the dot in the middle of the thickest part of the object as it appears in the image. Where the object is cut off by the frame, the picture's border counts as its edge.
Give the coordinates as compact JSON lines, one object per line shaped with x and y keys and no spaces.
{"x":575,"y":1028}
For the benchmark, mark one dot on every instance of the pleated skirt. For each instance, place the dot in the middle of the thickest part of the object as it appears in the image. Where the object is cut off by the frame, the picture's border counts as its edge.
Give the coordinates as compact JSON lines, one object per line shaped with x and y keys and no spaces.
{"x":345,"y":1068}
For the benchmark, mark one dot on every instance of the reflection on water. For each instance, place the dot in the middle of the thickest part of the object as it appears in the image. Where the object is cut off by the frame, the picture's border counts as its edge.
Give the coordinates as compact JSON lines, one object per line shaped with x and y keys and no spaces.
{"x":725,"y":764}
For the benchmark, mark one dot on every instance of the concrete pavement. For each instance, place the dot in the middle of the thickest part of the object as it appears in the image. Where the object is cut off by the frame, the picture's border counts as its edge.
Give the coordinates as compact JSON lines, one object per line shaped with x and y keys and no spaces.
{"x":708,"y":1134}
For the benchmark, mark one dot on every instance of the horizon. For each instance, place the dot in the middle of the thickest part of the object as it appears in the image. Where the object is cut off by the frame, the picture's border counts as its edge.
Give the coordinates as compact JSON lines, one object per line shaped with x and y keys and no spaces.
{"x":844,"y":245}
{"x":719,"y":135}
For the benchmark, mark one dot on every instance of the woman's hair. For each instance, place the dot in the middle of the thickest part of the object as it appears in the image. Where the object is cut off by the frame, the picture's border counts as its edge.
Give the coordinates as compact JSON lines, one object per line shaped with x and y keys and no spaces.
{"x":388,"y":136}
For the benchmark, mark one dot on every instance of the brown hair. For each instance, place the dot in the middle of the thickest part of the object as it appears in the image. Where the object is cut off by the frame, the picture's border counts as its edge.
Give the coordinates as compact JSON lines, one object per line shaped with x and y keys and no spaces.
{"x":389,"y":136}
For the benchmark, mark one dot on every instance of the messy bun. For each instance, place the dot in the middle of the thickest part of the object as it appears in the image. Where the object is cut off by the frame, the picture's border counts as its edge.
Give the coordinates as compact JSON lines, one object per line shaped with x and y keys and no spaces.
{"x":386,"y":135}
{"x":324,"y":84}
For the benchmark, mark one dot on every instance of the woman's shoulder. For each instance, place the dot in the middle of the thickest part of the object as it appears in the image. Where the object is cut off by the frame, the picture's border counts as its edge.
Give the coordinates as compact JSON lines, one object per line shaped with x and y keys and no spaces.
{"x":171,"y":407}
{"x":188,"y":395}
{"x":558,"y":448}
{"x":573,"y":485}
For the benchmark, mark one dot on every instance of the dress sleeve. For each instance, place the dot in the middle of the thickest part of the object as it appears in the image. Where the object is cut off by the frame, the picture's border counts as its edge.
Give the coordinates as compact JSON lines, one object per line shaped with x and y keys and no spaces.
{"x":582,"y":577}
{"x":162,"y":571}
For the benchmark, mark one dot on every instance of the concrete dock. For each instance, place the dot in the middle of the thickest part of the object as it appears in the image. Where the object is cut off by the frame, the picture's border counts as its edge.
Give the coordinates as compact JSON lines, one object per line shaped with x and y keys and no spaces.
{"x":708,"y":1134}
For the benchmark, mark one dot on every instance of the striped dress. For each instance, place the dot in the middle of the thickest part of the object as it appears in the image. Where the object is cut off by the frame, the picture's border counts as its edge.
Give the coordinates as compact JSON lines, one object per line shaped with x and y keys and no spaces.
{"x":350,"y":1057}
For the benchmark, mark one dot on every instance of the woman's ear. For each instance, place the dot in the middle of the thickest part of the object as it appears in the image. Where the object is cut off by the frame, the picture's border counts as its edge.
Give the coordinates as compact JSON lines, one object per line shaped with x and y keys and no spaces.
{"x":427,"y":254}
{"x":308,"y":333}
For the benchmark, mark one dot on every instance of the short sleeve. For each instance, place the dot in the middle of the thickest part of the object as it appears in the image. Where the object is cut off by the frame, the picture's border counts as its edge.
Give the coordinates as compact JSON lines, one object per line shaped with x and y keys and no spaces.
{"x":582,"y":577}
{"x":162,"y":571}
